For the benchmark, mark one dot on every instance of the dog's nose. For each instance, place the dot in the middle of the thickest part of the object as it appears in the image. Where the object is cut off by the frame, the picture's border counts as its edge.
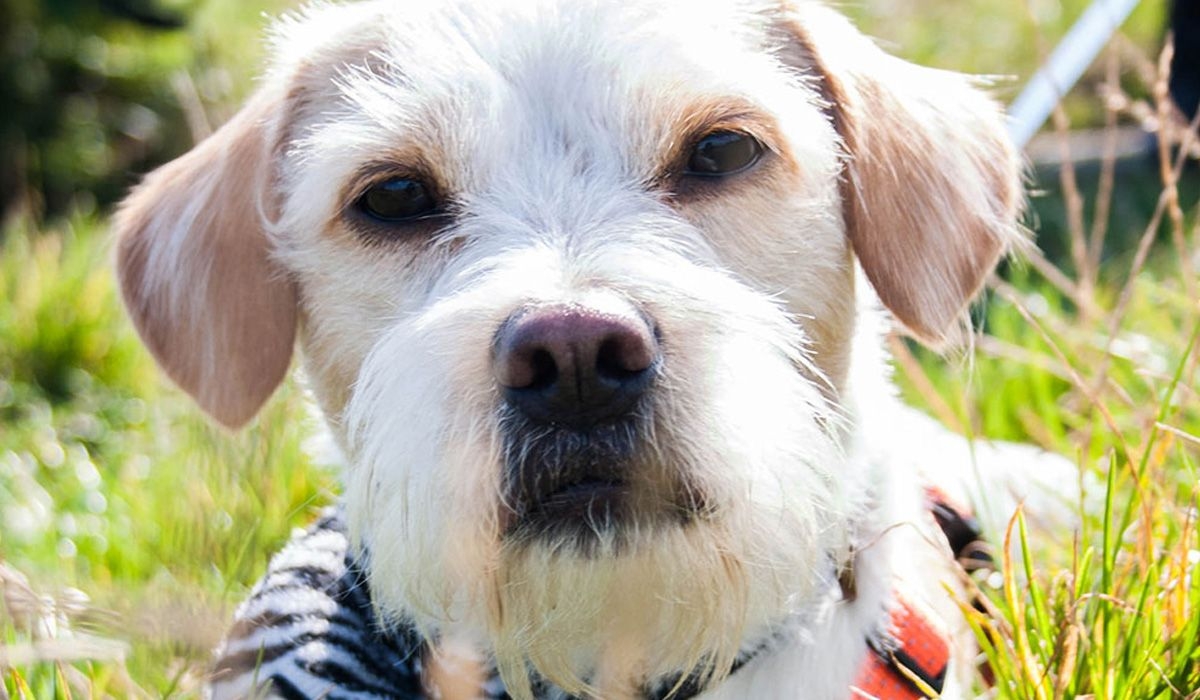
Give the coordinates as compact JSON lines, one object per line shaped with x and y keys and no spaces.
{"x":573,"y":365}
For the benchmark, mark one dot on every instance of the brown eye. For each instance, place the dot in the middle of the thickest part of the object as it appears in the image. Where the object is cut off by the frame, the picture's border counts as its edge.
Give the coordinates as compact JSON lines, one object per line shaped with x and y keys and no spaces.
{"x":397,"y":200}
{"x":723,"y":153}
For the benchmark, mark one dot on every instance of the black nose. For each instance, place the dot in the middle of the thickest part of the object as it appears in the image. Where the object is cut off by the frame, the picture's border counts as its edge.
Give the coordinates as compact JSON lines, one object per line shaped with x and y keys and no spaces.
{"x":574,"y":366}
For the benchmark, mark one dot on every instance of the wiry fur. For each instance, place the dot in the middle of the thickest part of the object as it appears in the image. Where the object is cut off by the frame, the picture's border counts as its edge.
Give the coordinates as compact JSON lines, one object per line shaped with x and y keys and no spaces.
{"x":556,"y":133}
{"x":767,"y":520}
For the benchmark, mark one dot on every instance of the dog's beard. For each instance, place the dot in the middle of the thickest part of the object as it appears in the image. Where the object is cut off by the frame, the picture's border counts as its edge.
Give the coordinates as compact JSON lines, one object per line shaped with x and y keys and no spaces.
{"x":733,"y":419}
{"x":666,"y":601}
{"x":600,"y":627}
{"x":602,"y":541}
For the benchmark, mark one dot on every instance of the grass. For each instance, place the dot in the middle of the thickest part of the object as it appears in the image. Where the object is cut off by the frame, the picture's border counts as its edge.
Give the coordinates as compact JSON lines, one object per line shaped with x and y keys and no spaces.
{"x":1097,"y":358}
{"x":129,"y":520}
{"x":111,"y":482}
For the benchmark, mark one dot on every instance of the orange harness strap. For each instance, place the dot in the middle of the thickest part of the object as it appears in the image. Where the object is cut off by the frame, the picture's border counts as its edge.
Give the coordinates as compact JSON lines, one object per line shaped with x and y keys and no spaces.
{"x":909,"y":665}
{"x":910,"y":662}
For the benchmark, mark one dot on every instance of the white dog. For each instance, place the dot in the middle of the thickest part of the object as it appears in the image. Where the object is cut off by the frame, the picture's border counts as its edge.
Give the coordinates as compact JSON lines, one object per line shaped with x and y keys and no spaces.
{"x":578,"y":286}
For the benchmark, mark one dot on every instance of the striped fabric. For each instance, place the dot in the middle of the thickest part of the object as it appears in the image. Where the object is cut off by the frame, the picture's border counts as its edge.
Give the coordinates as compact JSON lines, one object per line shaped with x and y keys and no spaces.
{"x":308,"y":630}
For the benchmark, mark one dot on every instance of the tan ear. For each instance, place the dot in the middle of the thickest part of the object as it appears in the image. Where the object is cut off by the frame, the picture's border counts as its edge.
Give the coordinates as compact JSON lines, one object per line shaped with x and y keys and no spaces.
{"x":196,"y":272}
{"x":932,"y":190}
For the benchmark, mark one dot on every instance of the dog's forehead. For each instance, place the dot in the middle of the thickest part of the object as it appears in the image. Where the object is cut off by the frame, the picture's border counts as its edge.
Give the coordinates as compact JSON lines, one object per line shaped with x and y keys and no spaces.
{"x":459,"y":76}
{"x":544,"y":41}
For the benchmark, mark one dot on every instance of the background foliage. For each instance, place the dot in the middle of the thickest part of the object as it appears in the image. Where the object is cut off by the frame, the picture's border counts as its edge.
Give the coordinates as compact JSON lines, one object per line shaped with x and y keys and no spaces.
{"x":98,"y":91}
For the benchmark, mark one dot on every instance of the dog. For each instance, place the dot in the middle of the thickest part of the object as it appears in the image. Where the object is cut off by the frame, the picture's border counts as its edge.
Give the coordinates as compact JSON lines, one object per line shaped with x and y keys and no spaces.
{"x":591,"y":295}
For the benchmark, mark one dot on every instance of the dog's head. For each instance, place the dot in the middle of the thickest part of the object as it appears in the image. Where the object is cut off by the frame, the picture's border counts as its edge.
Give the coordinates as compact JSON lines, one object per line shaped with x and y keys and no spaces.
{"x":574,"y":285}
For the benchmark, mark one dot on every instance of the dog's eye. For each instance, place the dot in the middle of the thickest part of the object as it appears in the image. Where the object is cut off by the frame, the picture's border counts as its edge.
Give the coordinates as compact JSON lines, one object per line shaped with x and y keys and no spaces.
{"x":397,"y":199}
{"x":723,"y":153}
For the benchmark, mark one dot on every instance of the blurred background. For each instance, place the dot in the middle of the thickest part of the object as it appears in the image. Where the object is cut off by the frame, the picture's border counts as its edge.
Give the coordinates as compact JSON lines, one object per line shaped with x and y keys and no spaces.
{"x":129,"y":527}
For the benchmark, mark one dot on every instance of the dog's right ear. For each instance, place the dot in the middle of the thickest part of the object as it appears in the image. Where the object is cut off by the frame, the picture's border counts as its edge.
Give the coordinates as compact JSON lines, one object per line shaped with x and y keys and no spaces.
{"x":196,"y":271}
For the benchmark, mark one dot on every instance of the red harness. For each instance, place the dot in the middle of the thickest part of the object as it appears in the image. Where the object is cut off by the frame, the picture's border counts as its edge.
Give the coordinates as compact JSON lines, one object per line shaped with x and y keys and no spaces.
{"x":912,"y":665}
{"x":910,"y":662}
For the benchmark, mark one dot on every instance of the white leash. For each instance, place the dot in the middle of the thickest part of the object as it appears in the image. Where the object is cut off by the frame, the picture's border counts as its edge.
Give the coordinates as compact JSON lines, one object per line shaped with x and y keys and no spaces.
{"x":1071,"y":57}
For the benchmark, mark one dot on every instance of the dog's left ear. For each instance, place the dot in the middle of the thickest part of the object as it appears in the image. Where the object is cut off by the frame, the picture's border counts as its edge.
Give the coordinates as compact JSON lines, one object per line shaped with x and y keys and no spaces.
{"x":932,"y":189}
{"x":196,"y":270}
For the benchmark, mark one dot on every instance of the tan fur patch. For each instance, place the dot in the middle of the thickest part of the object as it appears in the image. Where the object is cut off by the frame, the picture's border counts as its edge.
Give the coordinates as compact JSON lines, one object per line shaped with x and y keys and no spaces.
{"x":196,"y":274}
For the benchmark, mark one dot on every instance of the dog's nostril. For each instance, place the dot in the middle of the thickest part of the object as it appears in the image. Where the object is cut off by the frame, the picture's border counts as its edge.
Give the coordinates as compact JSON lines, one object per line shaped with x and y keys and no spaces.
{"x":574,"y":366}
{"x":522,"y":365}
{"x":623,"y":355}
{"x":543,"y":370}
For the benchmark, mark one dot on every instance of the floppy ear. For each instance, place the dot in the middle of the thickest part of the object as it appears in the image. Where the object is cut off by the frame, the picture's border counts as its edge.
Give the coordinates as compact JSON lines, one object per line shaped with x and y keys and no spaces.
{"x":932,"y":190}
{"x":196,"y":272}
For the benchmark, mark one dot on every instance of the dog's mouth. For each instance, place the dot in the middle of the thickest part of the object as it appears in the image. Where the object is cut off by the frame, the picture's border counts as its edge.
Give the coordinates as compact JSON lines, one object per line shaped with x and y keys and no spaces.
{"x":593,"y":500}
{"x":584,"y":489}
{"x":599,"y":514}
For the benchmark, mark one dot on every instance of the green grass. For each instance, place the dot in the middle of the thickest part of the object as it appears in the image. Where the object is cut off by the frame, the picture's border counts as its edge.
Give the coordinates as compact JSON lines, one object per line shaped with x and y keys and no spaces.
{"x":112,"y":485}
{"x":1109,"y":377}
{"x":1111,"y":613}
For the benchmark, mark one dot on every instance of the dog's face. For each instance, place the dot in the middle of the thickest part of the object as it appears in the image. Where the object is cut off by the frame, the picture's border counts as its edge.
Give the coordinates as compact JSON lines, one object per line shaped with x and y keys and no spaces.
{"x":574,"y":286}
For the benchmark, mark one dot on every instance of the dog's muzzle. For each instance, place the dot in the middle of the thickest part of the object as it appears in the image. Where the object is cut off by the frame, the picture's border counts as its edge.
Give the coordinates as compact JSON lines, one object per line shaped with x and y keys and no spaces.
{"x":575,"y":382}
